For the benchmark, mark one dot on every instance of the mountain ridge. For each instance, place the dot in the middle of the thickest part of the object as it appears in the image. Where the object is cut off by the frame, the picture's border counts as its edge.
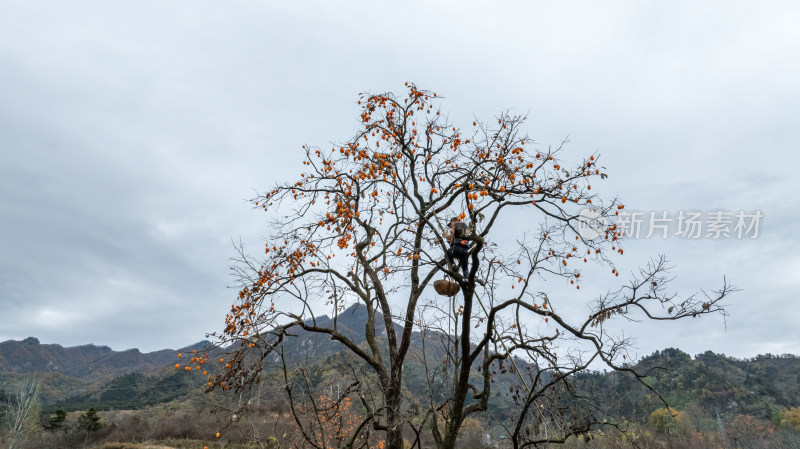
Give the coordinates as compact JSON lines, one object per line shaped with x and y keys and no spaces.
{"x":755,"y":386}
{"x":30,"y":355}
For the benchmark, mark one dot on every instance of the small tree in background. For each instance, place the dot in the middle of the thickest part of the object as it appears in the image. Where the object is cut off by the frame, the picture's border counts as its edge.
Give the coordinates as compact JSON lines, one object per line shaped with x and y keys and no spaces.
{"x":21,"y":411}
{"x":55,"y":422}
{"x":748,"y":431}
{"x":331,"y":423}
{"x":363,"y":224}
{"x":89,"y":421}
{"x":791,"y":418}
{"x":669,"y":421}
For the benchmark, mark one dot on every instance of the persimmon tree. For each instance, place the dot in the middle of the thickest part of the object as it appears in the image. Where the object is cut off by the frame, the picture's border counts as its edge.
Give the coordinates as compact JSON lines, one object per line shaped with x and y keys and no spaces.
{"x":363,"y":222}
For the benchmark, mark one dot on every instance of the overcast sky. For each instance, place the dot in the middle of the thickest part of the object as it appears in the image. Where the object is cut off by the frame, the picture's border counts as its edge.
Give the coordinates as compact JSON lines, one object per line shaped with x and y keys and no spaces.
{"x":132,"y":134}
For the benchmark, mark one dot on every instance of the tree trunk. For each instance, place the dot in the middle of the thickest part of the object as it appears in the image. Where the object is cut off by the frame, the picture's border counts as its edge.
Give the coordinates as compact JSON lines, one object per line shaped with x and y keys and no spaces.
{"x":448,"y":442}
{"x":394,"y":426}
{"x":394,"y":439}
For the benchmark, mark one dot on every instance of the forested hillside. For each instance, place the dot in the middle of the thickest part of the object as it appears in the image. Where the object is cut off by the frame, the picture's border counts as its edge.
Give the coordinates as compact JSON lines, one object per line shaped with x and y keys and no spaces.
{"x":707,"y":392}
{"x":74,"y":378}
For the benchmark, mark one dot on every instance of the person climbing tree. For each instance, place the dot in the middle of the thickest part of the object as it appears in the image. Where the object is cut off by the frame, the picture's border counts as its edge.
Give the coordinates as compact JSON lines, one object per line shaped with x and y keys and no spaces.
{"x":458,"y":246}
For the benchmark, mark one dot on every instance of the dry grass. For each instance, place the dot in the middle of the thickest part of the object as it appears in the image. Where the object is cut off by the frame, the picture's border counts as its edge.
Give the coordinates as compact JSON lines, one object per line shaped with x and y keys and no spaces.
{"x":172,"y":444}
{"x":133,"y":446}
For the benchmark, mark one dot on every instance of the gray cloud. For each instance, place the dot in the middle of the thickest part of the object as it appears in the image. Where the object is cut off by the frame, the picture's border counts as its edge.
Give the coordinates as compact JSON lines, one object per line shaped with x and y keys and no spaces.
{"x":131,"y":134}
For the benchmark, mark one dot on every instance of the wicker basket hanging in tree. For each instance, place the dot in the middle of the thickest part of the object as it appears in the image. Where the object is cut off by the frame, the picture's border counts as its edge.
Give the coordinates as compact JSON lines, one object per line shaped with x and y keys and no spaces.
{"x":446,"y":287}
